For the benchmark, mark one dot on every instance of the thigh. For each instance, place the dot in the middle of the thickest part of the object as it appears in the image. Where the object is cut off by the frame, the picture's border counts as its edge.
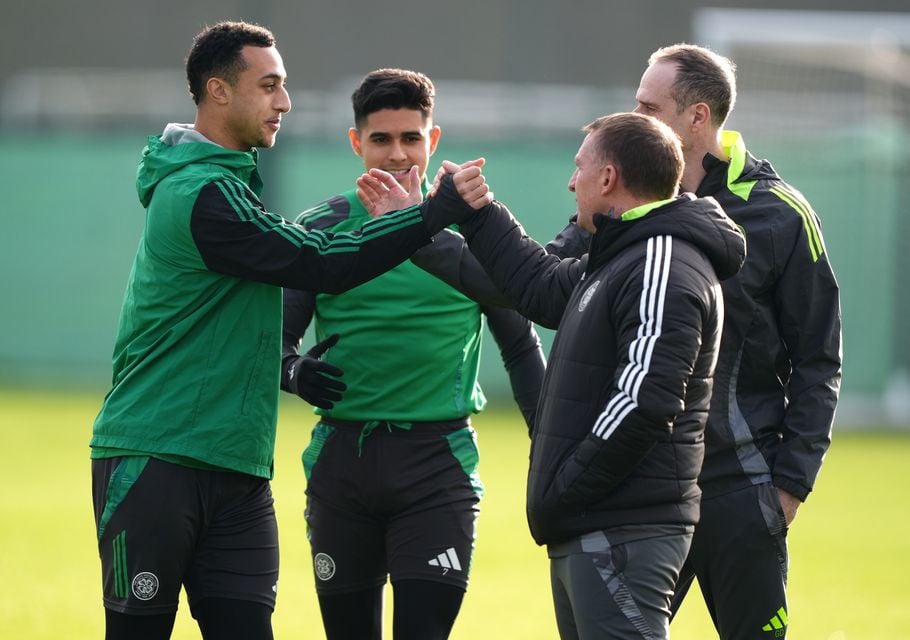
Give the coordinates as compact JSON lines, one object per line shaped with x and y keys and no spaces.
{"x":434,"y":499}
{"x":562,"y":604}
{"x":348,"y":548}
{"x":740,"y":557}
{"x":236,"y":556}
{"x":434,"y":544}
{"x":622,"y":591}
{"x":147,"y":520}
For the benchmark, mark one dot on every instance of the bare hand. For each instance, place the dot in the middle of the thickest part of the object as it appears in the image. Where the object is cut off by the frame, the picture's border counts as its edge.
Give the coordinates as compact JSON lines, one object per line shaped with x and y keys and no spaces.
{"x":450,"y":167}
{"x":789,"y":504}
{"x":472,"y":187}
{"x":380,"y":192}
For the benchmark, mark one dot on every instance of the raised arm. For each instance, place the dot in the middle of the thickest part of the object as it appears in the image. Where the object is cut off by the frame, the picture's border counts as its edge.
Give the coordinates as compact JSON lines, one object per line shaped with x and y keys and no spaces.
{"x":539,"y":284}
{"x":236,"y":236}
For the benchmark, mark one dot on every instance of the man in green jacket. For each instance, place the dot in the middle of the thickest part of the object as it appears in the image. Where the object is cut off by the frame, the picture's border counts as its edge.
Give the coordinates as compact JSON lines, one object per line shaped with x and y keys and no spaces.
{"x":182,"y":450}
{"x":392,"y":481}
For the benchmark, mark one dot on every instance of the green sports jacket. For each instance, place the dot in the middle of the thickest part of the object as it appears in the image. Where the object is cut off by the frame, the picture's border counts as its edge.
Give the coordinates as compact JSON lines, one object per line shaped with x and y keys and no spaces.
{"x":196,"y":360}
{"x":410,"y":344}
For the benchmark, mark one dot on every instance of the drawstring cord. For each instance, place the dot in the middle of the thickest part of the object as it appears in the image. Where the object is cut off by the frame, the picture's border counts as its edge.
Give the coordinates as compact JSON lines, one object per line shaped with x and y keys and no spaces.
{"x":370,"y":426}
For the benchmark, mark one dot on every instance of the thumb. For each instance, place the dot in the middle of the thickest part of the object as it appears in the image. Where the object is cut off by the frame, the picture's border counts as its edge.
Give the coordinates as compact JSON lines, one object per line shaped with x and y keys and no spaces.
{"x":319,"y":349}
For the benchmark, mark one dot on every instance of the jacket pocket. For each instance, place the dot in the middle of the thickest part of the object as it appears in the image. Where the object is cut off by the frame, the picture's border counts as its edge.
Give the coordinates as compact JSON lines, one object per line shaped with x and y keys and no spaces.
{"x":257,"y":389}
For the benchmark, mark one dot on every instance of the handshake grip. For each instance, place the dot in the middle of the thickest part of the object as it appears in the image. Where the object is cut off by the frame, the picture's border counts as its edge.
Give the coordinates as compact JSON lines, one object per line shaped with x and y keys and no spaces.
{"x":313,"y":379}
{"x":445,"y":208}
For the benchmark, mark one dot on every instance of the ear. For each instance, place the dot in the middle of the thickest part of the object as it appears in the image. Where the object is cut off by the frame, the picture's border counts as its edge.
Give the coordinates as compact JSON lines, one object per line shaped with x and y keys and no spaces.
{"x":354,"y":136}
{"x":701,"y":116}
{"x":609,"y":179}
{"x":435,"y":133}
{"x":218,"y":90}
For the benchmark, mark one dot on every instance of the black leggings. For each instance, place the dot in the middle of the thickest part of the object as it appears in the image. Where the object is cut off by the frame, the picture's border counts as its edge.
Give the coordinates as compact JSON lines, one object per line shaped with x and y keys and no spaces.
{"x":218,"y":618}
{"x":424,"y":610}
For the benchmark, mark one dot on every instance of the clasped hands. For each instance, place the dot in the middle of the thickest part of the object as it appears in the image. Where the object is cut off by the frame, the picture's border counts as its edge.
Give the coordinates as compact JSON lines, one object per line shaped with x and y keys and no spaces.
{"x":380,"y":192}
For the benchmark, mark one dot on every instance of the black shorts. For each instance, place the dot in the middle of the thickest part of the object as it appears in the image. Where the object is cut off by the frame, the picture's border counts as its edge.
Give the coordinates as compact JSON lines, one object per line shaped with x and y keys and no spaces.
{"x":383,"y":501}
{"x":163,"y":525}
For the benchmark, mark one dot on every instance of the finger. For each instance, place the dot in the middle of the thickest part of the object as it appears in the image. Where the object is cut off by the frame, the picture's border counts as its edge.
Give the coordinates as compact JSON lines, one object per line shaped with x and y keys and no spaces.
{"x":371,"y":191}
{"x":414,"y":180}
{"x":477,"y":162}
{"x":481,"y":202}
{"x":320,"y":348}
{"x":450,"y":167}
{"x":475,"y":195}
{"x":373,"y":184}
{"x":322,"y":367}
{"x":365,"y":200}
{"x":468,"y":173}
{"x":386,"y":178}
{"x":326,"y":382}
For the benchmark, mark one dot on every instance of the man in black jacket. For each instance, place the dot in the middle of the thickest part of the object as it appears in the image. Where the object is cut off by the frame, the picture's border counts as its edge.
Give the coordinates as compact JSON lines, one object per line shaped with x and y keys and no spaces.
{"x":618,"y":443}
{"x":779,"y":367}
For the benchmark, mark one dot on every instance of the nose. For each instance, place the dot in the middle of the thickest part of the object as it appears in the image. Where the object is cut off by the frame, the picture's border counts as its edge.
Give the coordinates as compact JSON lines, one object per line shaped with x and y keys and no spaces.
{"x":284,"y":101}
{"x":572,"y":181}
{"x":396,"y":151}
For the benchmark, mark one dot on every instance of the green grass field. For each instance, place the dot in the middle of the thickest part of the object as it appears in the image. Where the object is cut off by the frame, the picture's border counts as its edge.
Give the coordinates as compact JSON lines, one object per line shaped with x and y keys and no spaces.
{"x":850,"y":550}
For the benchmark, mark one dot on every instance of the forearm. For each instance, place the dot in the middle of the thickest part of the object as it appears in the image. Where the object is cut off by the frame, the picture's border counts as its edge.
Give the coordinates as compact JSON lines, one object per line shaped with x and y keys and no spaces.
{"x":449,"y":259}
{"x":539,"y":284}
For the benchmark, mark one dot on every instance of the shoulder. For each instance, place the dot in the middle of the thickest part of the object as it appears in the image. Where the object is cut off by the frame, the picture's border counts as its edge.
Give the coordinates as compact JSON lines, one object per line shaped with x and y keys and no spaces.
{"x":332,"y":211}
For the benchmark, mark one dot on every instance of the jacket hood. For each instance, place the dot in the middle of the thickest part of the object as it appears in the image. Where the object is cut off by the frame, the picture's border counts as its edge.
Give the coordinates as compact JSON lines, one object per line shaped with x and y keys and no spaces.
{"x":699,"y":221}
{"x":181,"y":145}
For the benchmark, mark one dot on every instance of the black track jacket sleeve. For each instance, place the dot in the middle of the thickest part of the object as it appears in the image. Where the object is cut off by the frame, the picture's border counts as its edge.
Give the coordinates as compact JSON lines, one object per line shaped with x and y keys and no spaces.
{"x":522,"y":357}
{"x":236,"y":236}
{"x":298,"y":312}
{"x":449,"y":259}
{"x":537,"y":283}
{"x":808,"y":307}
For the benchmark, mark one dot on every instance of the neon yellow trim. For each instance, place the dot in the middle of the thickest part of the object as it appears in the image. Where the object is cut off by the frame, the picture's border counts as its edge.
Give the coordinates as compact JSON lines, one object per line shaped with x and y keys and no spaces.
{"x":782,"y":613}
{"x":735,"y":148}
{"x":799,"y":204}
{"x":642,"y":210}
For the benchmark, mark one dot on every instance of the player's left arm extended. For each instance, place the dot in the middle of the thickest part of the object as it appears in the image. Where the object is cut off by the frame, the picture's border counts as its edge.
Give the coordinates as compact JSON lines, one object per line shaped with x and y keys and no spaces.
{"x":808,"y":314}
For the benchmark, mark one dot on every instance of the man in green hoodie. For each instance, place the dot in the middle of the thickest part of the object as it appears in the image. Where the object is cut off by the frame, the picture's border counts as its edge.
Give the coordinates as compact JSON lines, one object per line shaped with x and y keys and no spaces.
{"x":182,"y":450}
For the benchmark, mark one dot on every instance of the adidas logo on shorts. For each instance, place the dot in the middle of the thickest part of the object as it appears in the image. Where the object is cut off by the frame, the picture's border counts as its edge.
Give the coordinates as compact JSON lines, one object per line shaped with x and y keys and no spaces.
{"x":447,"y":560}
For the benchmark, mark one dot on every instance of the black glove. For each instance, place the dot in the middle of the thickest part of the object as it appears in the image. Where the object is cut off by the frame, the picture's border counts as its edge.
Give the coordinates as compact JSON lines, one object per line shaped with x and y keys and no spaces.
{"x":310,"y":378}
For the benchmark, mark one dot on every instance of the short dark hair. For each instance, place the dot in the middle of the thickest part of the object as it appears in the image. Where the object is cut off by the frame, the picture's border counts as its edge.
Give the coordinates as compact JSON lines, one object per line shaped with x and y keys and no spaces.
{"x":393,"y":89}
{"x":701,"y":76}
{"x":216,"y":53}
{"x":646,"y":152}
